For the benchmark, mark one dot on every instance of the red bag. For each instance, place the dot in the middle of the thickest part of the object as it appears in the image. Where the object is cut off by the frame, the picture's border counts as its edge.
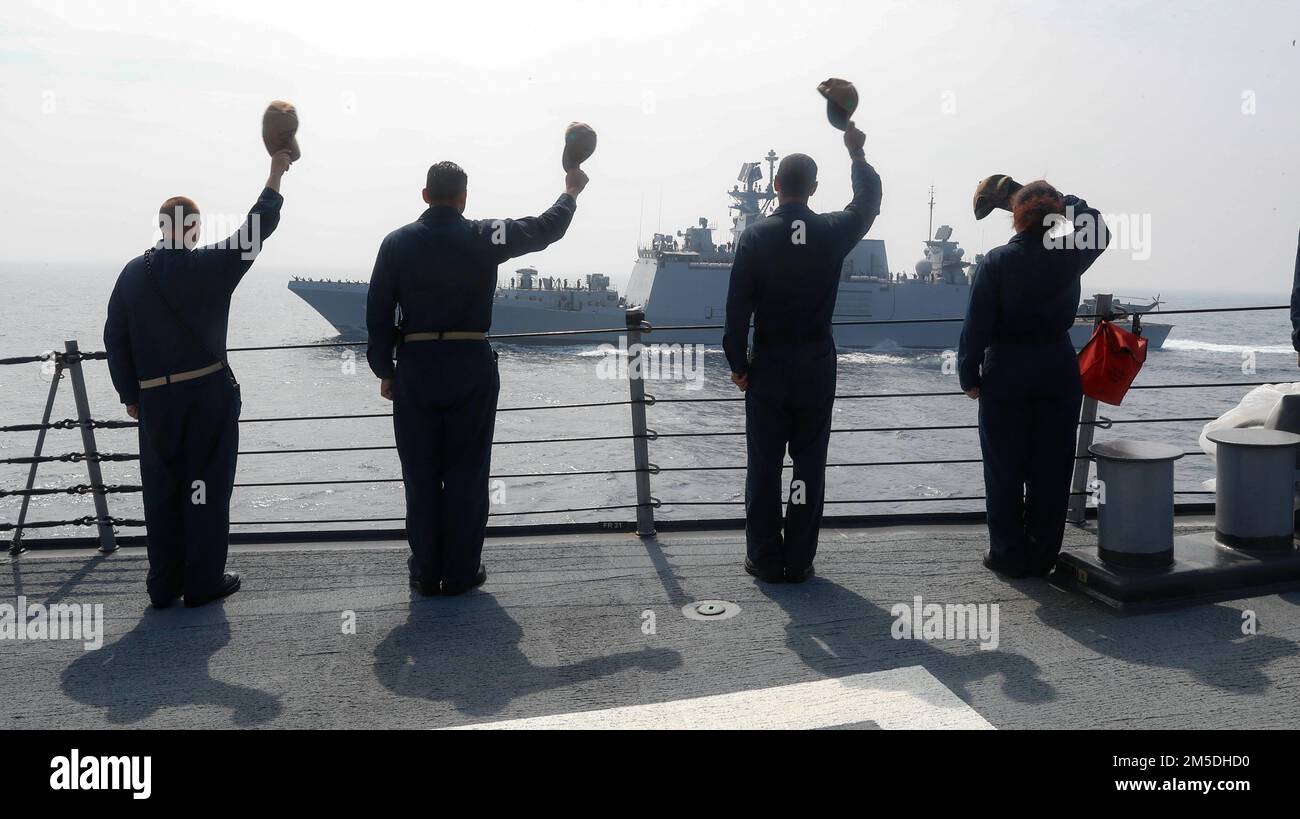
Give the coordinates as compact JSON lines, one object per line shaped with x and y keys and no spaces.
{"x":1110,"y":361}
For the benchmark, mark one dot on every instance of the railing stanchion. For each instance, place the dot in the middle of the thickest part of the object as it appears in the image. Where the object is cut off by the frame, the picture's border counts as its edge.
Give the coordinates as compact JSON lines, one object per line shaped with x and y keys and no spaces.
{"x":16,"y":545}
{"x":645,"y":513}
{"x":1078,"y":511}
{"x":107,"y":542}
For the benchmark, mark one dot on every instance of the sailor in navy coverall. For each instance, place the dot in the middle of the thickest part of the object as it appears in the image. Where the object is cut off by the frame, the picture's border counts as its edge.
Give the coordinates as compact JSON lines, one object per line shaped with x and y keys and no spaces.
{"x":1017,"y":359}
{"x":166,"y":343}
{"x":440,"y":274}
{"x":1295,"y":303}
{"x":786,"y":276}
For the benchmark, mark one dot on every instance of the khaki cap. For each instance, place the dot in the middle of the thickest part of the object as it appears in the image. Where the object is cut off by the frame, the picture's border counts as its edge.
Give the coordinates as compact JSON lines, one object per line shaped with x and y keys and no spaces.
{"x":994,"y":192}
{"x":579,"y":144}
{"x":280,"y":129}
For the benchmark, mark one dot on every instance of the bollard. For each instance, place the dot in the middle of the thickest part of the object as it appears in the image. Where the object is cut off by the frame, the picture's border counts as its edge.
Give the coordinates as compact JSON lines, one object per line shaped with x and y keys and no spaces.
{"x":1254,"y":504}
{"x":1135,"y":512}
{"x":1250,"y":552}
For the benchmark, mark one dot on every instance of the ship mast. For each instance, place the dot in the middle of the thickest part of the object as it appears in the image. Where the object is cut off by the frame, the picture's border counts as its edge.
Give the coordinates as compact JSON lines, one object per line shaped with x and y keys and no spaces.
{"x":930,"y":230}
{"x":752,"y":201}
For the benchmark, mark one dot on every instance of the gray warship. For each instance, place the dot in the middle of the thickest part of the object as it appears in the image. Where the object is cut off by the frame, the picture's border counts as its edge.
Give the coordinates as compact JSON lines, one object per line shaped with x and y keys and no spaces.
{"x":681,"y":280}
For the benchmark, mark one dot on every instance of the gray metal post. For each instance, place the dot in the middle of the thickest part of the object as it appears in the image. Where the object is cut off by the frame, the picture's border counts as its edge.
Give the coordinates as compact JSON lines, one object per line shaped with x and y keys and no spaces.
{"x":1078,"y":501}
{"x":107,"y":543}
{"x":16,"y":545}
{"x":645,"y":513}
{"x":1135,"y":516}
{"x":1254,"y":492}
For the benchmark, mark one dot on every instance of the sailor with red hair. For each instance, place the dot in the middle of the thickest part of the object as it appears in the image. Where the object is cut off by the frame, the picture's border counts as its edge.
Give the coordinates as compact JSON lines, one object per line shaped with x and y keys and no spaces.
{"x":1017,"y":360}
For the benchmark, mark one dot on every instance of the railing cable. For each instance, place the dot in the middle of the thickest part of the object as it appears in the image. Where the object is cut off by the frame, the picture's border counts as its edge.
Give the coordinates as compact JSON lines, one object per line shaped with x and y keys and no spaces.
{"x":100,"y":355}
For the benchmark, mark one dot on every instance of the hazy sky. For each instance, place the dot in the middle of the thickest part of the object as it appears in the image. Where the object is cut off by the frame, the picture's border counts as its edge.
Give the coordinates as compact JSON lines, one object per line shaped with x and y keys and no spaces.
{"x":1182,"y":116}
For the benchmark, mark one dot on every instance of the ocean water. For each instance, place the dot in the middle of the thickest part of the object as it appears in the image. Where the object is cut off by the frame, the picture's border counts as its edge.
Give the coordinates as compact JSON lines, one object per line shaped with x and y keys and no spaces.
{"x":43,"y":307}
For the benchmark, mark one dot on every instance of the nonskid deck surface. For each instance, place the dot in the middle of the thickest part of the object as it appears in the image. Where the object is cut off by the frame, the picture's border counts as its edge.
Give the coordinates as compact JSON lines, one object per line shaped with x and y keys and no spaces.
{"x":560,"y":632}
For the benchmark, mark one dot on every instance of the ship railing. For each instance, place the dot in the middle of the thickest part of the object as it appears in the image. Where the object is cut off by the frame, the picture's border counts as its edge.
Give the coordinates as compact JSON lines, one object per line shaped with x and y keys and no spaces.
{"x":641,"y":438}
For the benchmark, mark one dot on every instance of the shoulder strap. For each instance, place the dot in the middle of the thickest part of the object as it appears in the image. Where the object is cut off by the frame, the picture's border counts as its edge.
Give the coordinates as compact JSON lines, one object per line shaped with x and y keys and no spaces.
{"x":178,"y":318}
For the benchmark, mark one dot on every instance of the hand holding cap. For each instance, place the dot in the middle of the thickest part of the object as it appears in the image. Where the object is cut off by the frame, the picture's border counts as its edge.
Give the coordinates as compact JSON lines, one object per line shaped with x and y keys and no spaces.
{"x":579,"y":145}
{"x":841,"y":101}
{"x":280,"y":129}
{"x":994,"y":192}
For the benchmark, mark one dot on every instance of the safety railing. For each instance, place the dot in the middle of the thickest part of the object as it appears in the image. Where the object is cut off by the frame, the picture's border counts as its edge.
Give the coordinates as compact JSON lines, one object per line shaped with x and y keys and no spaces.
{"x":642,"y":436}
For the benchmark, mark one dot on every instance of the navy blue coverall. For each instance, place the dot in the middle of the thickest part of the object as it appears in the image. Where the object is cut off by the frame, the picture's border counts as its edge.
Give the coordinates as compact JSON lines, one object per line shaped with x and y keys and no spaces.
{"x":786,"y":275}
{"x":1295,"y":301}
{"x":441,"y":271}
{"x":189,"y":430}
{"x":1015,"y":347}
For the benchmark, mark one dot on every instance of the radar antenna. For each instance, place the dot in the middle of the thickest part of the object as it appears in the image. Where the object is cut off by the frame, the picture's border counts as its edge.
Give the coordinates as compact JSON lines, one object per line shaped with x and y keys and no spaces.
{"x":751,"y":200}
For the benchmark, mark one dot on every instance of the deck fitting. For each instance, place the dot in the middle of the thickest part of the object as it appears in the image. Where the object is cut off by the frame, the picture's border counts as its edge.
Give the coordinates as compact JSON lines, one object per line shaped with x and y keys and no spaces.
{"x":1204,"y":571}
{"x":710,"y":610}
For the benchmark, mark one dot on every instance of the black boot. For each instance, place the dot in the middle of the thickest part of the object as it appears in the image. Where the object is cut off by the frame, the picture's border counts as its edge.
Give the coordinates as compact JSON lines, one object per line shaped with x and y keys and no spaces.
{"x":764,"y":574}
{"x":425,"y":589}
{"x":798,"y":575}
{"x":229,"y":585}
{"x":164,"y":602}
{"x":451,"y":590}
{"x":1004,"y":568}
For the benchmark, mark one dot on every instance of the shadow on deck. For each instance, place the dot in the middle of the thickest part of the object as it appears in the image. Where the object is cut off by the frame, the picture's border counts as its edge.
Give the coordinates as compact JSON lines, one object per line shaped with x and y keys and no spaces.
{"x":561,"y":627}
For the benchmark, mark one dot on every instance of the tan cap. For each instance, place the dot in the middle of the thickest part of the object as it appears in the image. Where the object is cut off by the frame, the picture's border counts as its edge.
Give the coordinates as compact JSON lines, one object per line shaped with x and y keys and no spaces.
{"x":994,"y":192}
{"x":280,"y":129}
{"x":579,"y":144}
{"x":841,"y":101}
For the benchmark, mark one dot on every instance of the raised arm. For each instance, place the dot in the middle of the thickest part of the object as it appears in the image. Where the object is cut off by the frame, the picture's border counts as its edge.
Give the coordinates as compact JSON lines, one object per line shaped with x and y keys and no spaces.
{"x":517,"y":237}
{"x":1091,"y":236}
{"x":233,"y":256}
{"x":117,"y":343}
{"x":741,"y":295}
{"x":1295,"y":302}
{"x":852,"y":223}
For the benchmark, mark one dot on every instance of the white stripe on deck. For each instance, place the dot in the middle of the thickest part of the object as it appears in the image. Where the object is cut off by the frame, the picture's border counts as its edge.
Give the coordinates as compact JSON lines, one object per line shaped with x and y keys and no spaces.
{"x":901,"y":698}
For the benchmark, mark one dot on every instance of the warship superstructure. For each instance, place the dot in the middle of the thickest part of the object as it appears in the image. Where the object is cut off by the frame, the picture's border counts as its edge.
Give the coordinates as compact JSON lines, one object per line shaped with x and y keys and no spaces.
{"x":681,"y":280}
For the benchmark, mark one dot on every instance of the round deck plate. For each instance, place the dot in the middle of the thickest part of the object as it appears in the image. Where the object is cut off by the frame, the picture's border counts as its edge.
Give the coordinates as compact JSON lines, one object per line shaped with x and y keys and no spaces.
{"x":710,"y":610}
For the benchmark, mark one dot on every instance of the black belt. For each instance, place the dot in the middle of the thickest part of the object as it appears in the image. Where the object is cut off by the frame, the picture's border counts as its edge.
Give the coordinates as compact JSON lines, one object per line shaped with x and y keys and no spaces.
{"x":446,"y":335}
{"x":1036,"y":341}
{"x":790,"y":338}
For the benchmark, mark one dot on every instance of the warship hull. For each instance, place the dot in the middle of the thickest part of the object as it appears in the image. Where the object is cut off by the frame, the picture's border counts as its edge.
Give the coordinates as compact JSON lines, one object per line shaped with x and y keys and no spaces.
{"x":681,"y":280}
{"x":343,"y":305}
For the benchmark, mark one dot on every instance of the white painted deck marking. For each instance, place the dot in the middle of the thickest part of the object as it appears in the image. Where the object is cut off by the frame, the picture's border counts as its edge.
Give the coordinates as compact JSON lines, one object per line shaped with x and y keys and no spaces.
{"x":901,"y":698}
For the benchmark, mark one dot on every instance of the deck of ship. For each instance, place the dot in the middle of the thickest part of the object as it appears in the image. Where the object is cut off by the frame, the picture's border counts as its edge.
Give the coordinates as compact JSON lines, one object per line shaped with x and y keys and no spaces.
{"x":559,"y":629}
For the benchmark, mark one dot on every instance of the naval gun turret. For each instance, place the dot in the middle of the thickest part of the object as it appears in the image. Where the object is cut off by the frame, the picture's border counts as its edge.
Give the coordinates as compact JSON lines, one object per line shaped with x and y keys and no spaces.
{"x":699,"y":239}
